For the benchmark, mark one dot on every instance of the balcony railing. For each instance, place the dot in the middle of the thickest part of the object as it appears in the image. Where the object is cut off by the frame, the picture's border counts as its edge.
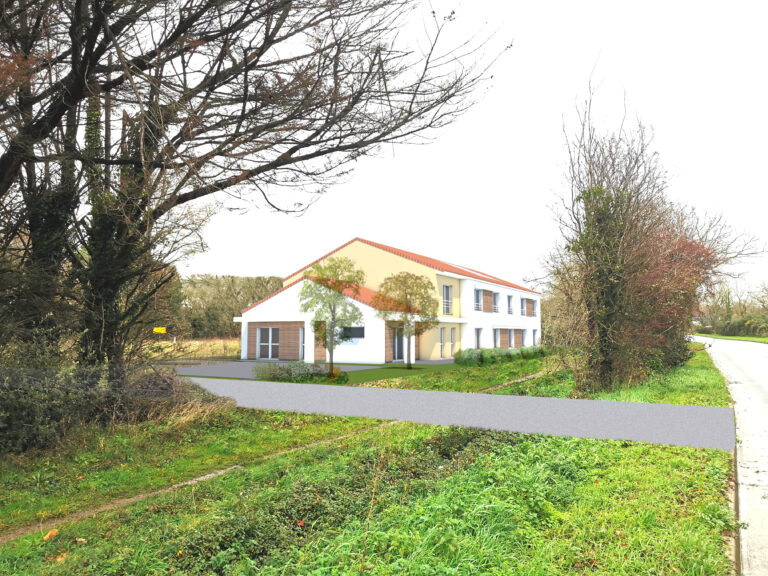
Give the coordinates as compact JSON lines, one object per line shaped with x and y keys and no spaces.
{"x":510,"y":310}
{"x":478,"y":306}
{"x":447,"y":308}
{"x":495,"y":307}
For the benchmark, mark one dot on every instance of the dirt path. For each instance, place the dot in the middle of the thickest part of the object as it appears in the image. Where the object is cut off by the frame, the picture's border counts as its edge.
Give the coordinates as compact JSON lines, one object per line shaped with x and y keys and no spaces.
{"x":512,"y":382}
{"x":44,"y":527}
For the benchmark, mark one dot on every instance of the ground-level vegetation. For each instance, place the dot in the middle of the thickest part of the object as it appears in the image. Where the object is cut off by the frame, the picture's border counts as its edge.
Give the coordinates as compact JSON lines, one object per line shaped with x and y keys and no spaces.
{"x":763,"y":339}
{"x":393,"y":499}
{"x":169,"y":348}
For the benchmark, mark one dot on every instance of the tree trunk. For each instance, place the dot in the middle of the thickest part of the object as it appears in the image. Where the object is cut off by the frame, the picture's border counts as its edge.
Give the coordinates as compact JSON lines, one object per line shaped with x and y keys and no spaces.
{"x":408,"y":352}
{"x":331,"y":346}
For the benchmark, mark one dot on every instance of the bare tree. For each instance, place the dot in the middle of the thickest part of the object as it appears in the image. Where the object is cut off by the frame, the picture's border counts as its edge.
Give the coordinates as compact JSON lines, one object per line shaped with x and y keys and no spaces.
{"x":239,"y":97}
{"x":632,"y":264}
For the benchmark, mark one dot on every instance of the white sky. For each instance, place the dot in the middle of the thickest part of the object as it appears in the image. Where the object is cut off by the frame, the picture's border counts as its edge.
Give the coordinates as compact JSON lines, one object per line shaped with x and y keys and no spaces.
{"x":481,"y":195}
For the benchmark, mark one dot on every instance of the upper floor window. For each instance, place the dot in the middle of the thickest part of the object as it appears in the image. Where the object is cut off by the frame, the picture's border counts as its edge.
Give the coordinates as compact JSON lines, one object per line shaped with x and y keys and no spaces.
{"x":478,"y":299}
{"x":447,"y":299}
{"x":528,"y":307}
{"x":510,"y":308}
{"x":495,"y":301}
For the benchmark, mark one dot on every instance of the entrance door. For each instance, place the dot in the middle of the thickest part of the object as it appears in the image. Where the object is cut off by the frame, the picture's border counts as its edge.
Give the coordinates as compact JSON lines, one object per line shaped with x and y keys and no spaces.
{"x":269,"y":343}
{"x":397,"y":344}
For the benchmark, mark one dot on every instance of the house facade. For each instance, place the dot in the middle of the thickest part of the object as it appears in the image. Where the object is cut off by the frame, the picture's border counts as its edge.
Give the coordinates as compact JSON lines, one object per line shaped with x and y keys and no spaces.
{"x":476,"y":310}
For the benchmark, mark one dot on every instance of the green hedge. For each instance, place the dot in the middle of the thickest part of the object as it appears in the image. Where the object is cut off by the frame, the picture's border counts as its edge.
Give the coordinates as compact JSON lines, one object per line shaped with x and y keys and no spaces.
{"x":474,"y":357}
{"x":755,"y":325}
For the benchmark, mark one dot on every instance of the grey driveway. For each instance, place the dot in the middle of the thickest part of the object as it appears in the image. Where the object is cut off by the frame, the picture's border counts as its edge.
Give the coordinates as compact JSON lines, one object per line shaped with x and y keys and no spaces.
{"x":698,"y":426}
{"x":745,"y":366}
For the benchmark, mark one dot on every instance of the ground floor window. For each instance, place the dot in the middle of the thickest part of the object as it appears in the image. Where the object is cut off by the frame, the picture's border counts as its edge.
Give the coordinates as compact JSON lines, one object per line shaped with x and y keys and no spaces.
{"x":534,"y":337}
{"x":511,"y":338}
{"x":442,"y":342}
{"x":453,"y":333}
{"x":269,"y":343}
{"x":478,"y":332}
{"x":301,"y":343}
{"x":496,"y":336}
{"x":525,"y":336}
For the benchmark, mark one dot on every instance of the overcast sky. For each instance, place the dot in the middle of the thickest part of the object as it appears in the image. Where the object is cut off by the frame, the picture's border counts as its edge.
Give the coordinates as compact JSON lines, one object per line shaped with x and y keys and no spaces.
{"x":482,"y":194}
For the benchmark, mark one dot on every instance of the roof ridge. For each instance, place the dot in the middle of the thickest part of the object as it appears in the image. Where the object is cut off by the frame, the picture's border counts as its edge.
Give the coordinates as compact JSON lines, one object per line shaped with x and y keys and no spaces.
{"x":410,"y":256}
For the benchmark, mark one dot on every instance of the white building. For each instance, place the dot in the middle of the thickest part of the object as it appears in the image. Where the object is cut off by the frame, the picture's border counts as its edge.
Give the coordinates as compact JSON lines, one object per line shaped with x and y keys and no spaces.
{"x":476,"y":311}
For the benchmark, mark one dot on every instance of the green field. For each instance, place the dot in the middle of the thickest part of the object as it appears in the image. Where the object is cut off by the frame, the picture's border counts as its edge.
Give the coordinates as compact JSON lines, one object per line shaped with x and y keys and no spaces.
{"x":764,"y":340}
{"x":400,"y":499}
{"x":203,"y":348}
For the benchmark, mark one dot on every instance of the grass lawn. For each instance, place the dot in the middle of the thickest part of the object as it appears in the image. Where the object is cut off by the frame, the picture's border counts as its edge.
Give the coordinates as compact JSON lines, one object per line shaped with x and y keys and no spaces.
{"x":404,"y":499}
{"x":697,"y":383}
{"x":764,"y":340}
{"x":447,"y":377}
{"x":420,"y":500}
{"x":95,"y":465}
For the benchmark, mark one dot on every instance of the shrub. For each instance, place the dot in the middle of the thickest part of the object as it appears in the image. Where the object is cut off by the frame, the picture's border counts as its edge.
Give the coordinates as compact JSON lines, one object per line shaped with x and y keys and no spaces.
{"x":294,"y":372}
{"x":472,"y":357}
{"x":38,"y":407}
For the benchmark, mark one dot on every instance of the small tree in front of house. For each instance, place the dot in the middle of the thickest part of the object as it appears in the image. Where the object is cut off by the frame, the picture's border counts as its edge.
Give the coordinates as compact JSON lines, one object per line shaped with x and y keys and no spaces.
{"x":324,"y":295}
{"x":408,"y":300}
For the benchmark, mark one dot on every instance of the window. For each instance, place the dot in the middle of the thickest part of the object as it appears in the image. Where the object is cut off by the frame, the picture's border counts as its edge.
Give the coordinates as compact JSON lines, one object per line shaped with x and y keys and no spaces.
{"x":511,"y":338}
{"x":478,"y":332}
{"x":269,"y":343}
{"x":301,"y":343}
{"x":525,"y":336}
{"x":495,"y":301}
{"x":478,"y":299}
{"x":353,"y":332}
{"x":535,"y":307}
{"x":534,"y":337}
{"x":453,"y":332}
{"x":522,"y":306}
{"x":442,"y":342}
{"x":510,"y":308}
{"x":447,"y":299}
{"x":496,"y":337}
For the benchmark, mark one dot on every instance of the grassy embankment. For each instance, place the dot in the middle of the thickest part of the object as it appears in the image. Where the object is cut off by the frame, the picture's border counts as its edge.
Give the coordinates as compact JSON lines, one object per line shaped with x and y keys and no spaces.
{"x":422,"y":500}
{"x":762,"y":339}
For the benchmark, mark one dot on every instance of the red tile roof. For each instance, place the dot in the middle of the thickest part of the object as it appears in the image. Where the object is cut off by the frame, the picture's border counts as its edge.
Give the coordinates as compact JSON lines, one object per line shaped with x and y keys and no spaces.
{"x":433,"y":263}
{"x":364,"y":295}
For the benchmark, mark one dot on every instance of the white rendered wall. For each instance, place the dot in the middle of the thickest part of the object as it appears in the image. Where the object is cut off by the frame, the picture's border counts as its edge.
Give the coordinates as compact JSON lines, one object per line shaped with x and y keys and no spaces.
{"x":489,"y":321}
{"x":286,"y":307}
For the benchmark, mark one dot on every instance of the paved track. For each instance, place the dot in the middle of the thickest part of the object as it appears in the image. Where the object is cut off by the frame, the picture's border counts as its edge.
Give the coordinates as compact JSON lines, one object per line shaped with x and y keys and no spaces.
{"x":697,"y":426}
{"x":745,"y":366}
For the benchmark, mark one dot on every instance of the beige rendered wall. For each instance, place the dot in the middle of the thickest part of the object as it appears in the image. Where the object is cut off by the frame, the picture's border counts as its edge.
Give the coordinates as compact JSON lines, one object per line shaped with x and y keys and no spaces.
{"x":378,"y":264}
{"x":429,"y":343}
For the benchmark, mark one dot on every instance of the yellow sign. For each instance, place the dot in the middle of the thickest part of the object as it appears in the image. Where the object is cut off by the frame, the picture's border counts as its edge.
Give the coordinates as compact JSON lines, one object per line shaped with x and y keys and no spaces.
{"x":158,"y":330}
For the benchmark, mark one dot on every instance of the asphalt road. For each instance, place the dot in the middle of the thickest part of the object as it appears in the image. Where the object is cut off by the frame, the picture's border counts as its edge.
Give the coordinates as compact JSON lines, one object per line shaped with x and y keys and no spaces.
{"x":697,"y":426}
{"x":745,"y":366}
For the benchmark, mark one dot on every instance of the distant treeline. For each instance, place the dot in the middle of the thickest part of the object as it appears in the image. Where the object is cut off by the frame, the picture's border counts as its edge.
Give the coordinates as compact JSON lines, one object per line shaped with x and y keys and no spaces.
{"x":210,"y":302}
